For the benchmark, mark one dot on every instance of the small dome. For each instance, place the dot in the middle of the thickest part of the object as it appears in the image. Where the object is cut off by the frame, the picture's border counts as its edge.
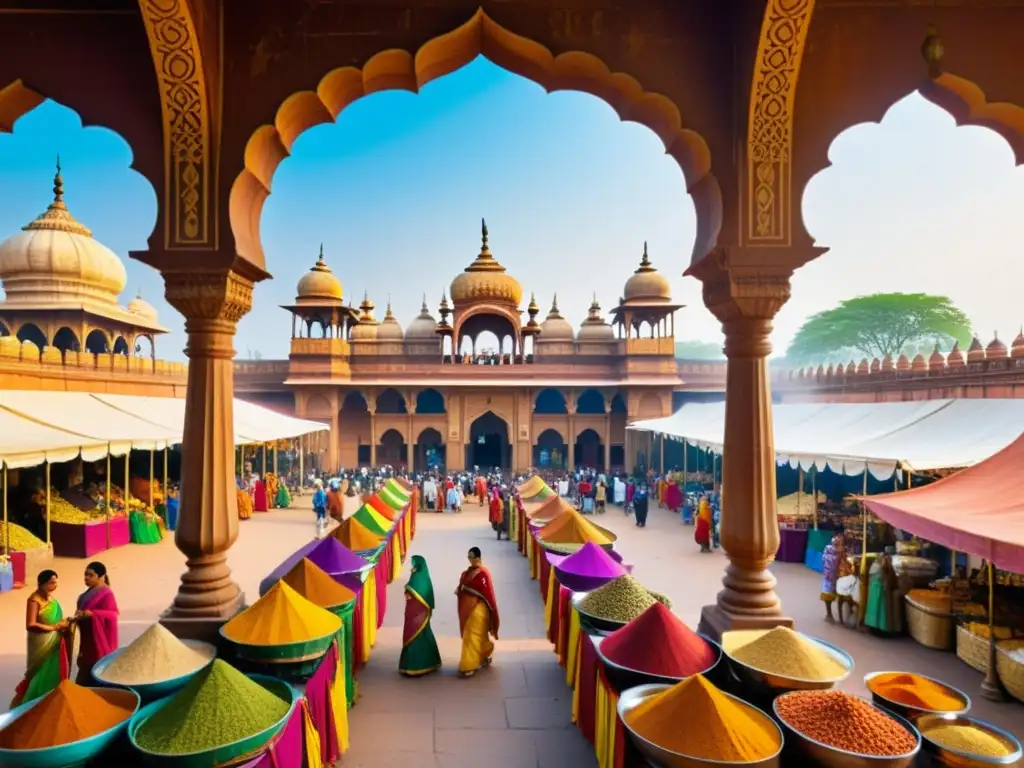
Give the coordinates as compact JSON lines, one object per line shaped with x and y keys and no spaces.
{"x":55,"y":258}
{"x":646,"y":284}
{"x":902,"y":362}
{"x":142,"y":308}
{"x":995,"y":348}
{"x":390,"y":329}
{"x":594,"y":328}
{"x":555,"y":327}
{"x":887,"y":366}
{"x":919,"y":363}
{"x":1017,"y":348}
{"x":975,"y":352}
{"x":423,"y":325}
{"x":319,"y":284}
{"x":485,"y":280}
{"x":367,"y":327}
{"x":955,"y":356}
{"x":936,"y":361}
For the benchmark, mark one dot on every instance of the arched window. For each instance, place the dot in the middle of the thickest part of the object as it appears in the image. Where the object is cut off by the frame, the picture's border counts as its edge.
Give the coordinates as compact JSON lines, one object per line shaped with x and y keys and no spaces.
{"x":32,"y":332}
{"x":97,"y":343}
{"x":550,"y":401}
{"x":430,"y":401}
{"x":66,"y":341}
{"x":121,"y":346}
{"x":590,"y":402}
{"x":389,"y":401}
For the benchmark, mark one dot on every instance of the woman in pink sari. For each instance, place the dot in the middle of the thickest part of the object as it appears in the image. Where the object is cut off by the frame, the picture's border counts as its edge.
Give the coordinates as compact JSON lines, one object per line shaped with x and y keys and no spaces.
{"x":96,"y":620}
{"x":259,"y":495}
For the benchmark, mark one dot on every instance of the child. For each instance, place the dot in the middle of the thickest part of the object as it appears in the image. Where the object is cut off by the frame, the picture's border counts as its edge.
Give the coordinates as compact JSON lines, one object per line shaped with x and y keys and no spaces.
{"x":320,"y":507}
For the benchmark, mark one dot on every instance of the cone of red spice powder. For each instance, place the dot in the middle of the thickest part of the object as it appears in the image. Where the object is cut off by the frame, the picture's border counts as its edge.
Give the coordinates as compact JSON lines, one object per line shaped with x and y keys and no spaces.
{"x":658,"y":643}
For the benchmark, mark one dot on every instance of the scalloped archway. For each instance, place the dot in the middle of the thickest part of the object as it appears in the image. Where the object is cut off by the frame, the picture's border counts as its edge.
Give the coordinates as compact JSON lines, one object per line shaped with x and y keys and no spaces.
{"x":397,"y":69}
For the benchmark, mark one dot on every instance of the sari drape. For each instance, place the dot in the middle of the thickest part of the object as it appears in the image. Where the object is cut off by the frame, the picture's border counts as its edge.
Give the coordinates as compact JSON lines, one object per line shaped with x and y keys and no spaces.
{"x":98,"y":631}
{"x":48,"y":658}
{"x":420,"y":655}
{"x":478,"y":619}
{"x":259,"y":497}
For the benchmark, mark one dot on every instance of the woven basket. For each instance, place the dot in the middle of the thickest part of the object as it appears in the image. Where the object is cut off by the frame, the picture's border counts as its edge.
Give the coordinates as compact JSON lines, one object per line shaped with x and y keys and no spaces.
{"x":1011,"y":671}
{"x":972,"y":649}
{"x":930,"y":628}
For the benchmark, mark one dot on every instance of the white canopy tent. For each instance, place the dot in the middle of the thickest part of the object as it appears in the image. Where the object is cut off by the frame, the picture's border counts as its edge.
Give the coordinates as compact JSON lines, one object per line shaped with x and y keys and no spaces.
{"x":58,"y":426}
{"x":846,"y":437}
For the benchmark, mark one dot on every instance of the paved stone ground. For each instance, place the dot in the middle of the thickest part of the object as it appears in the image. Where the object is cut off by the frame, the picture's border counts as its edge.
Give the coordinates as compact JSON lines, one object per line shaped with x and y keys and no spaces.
{"x":517,"y":712}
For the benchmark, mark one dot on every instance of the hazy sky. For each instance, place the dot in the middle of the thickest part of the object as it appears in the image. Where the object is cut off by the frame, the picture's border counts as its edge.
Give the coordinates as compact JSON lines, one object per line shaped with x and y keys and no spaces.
{"x":396,"y":189}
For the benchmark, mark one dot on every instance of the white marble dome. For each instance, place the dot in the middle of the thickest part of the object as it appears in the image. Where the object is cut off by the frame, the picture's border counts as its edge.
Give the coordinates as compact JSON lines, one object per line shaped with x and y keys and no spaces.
{"x":422,"y":326}
{"x":390,"y":329}
{"x":56,"y":259}
{"x":555,"y":327}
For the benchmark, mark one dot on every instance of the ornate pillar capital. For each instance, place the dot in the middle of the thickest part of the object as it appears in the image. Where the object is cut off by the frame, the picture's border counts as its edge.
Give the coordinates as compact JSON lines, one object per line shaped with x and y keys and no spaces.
{"x":737,"y":287}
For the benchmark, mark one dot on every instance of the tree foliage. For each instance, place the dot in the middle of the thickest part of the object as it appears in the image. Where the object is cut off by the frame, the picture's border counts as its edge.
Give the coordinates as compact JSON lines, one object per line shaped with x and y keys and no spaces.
{"x":878,"y":325}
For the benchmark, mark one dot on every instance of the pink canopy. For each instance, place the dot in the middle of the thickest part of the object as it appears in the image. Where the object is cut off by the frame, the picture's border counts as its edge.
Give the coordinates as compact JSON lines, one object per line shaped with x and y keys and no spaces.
{"x":979,"y":510}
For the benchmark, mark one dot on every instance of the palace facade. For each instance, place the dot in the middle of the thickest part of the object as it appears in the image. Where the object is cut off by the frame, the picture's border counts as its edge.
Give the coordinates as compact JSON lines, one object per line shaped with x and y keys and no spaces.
{"x":431,"y":395}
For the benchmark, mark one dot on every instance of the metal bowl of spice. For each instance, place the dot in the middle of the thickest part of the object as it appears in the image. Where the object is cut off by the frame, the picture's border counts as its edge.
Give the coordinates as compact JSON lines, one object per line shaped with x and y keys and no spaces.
{"x":911,"y":695}
{"x":221,"y":718}
{"x":782,"y":660}
{"x":155,"y":664}
{"x":834,"y":729}
{"x":694,"y":725}
{"x":613,"y":605}
{"x":958,"y":741}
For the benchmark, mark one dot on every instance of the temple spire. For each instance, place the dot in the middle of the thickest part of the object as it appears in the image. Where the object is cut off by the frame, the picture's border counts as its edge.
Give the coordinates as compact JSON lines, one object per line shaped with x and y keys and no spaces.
{"x":483,"y":235}
{"x":554,"y":304}
{"x":645,"y":261}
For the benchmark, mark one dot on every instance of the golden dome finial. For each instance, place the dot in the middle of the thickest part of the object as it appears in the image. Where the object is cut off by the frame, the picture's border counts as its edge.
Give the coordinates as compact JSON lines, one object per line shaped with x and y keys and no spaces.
{"x":58,"y":185}
{"x":645,"y":262}
{"x":483,"y":236}
{"x":554,"y":305}
{"x":423,"y":306}
{"x":57,"y":217}
{"x":533,"y":304}
{"x":320,"y":259}
{"x":387,"y":312}
{"x":933,"y":50}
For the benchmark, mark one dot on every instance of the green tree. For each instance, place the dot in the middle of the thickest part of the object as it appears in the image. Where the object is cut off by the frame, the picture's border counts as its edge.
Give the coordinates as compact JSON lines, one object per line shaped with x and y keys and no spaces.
{"x":699,"y":350}
{"x":878,"y":325}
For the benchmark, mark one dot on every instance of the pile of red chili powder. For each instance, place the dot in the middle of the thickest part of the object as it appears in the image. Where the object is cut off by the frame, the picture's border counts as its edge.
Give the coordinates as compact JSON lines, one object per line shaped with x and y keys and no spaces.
{"x":659,"y":643}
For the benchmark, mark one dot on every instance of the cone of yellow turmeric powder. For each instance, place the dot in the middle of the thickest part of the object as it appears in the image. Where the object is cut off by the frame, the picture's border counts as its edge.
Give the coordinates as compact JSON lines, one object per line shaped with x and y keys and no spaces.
{"x":695,"y":719}
{"x":282,"y":626}
{"x":781,"y":655}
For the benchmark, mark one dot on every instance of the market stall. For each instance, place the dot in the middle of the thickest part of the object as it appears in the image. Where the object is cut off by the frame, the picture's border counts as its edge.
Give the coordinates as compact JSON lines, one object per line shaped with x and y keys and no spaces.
{"x":979,"y":510}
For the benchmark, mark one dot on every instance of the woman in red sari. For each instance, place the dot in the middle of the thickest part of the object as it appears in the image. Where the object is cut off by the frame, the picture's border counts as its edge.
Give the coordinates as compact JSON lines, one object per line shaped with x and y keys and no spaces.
{"x":478,"y":615}
{"x":96,"y":620}
{"x":481,"y":489}
{"x":496,"y":513}
{"x":259,"y":495}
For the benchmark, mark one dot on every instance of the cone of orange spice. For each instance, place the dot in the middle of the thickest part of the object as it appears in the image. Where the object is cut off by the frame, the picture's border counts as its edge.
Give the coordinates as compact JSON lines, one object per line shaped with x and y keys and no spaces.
{"x":844,"y":722}
{"x":67,"y":714}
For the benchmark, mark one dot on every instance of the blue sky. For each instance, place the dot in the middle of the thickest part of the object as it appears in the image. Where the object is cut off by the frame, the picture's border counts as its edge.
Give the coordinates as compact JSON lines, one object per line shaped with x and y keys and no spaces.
{"x":396,"y":188}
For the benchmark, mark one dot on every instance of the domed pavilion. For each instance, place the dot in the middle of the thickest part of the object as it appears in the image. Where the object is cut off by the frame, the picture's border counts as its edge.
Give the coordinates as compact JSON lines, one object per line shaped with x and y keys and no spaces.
{"x":62,"y":288}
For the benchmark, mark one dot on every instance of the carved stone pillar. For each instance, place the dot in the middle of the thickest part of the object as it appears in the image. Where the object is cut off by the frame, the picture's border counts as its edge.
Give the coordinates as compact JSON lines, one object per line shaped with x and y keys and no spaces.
{"x":334,"y":447}
{"x":745,"y":298}
{"x":212,"y":302}
{"x":608,"y":436}
{"x":372,"y":408}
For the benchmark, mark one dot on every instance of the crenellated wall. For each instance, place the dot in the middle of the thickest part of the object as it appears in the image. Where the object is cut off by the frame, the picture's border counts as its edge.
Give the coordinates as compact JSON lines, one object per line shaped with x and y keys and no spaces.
{"x":984,"y":371}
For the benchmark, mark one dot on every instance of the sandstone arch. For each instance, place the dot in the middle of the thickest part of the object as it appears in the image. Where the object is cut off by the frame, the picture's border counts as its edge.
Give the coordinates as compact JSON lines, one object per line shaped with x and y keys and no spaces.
{"x":397,"y":69}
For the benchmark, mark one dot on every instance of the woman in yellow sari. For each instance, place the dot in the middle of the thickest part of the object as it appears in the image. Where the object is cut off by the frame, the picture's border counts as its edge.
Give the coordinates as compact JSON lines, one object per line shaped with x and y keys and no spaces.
{"x":50,"y":642}
{"x":478,"y":615}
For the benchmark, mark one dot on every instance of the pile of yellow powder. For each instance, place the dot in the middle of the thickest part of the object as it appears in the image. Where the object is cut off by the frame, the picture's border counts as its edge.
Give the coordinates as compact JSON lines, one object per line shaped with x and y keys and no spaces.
{"x":784,"y":653}
{"x":281,"y":617}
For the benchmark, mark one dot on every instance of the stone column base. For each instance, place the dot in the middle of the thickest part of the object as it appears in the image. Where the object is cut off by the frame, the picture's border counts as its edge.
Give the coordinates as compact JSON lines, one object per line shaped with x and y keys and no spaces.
{"x":205,"y":628}
{"x":714,"y":621}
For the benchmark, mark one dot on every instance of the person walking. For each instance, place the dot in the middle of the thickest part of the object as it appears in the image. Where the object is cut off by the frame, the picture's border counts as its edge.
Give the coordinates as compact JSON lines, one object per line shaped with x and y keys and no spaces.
{"x":320,"y":507}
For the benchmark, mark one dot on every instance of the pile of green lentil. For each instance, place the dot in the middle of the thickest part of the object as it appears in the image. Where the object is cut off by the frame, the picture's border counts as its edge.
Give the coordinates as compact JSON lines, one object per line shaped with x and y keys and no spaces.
{"x":219,"y":706}
{"x":621,"y":599}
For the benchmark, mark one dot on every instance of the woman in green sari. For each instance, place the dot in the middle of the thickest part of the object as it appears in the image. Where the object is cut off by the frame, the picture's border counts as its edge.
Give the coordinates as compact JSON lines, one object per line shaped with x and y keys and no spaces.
{"x":882,"y":585}
{"x":419,"y":648}
{"x":50,"y":642}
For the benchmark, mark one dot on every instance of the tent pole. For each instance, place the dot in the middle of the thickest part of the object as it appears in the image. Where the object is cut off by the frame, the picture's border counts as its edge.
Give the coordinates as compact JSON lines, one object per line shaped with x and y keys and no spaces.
{"x":7,"y":528}
{"x":274,"y":459}
{"x":167,"y":450}
{"x":264,"y":460}
{"x":864,"y":518}
{"x":799,"y":487}
{"x":302,"y":459}
{"x":152,"y":477}
{"x":47,"y":502}
{"x":990,"y":688}
{"x":814,"y":490}
{"x":107,"y":498}
{"x":127,"y":482}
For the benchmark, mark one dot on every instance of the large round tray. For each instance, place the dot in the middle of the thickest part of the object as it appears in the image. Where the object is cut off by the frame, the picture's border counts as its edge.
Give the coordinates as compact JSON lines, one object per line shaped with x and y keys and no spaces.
{"x":159,"y":689}
{"x":226,"y":754}
{"x":75,"y":753}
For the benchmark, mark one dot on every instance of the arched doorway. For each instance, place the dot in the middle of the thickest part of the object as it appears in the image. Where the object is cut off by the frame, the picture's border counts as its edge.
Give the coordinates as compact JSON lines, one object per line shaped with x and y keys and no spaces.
{"x":588,"y":453}
{"x":392,"y":449}
{"x":354,"y":429}
{"x":430,"y":450}
{"x":430,"y":402}
{"x":97,"y":342}
{"x":550,"y":450}
{"x":121,"y":347}
{"x":488,"y":445}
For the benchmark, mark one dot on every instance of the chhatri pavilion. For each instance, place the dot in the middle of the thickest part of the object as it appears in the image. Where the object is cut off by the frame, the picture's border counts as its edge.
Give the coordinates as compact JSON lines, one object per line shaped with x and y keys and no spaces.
{"x":431,"y":395}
